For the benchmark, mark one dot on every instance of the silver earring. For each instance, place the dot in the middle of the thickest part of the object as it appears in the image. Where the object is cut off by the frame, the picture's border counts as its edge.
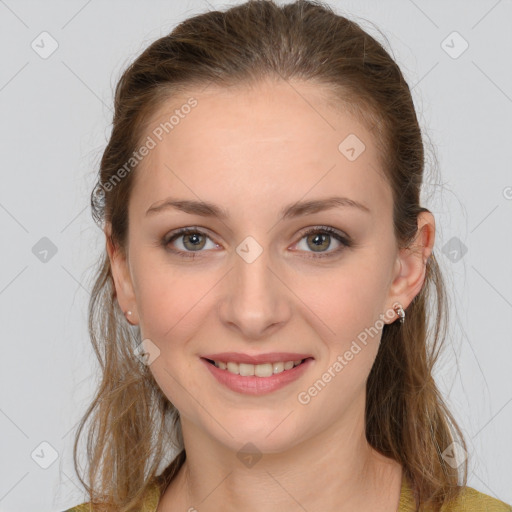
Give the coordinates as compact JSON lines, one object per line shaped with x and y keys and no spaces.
{"x":399,"y":310}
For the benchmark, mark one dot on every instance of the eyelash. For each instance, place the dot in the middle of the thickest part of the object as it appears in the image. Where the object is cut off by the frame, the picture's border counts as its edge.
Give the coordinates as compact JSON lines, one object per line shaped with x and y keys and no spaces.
{"x":344,"y":240}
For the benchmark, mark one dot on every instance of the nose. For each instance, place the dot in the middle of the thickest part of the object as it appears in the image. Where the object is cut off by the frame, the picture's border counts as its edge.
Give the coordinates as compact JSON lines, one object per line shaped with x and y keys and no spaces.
{"x":255,"y":300}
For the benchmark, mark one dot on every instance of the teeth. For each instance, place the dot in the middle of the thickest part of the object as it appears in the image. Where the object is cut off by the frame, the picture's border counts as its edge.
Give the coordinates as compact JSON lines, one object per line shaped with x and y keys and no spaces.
{"x":258,"y":370}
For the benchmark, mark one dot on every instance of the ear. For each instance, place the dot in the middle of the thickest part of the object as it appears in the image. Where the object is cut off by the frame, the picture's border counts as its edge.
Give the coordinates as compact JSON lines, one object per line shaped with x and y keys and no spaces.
{"x":411,"y":263}
{"x":121,"y":275}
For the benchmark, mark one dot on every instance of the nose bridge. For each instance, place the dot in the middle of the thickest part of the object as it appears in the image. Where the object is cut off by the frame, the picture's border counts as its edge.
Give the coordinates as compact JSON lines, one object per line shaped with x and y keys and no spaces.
{"x":254,"y":299}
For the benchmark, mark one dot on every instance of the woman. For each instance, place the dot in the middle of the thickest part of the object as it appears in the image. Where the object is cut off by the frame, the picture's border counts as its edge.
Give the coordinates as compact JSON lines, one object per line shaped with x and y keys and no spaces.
{"x":269,"y":308}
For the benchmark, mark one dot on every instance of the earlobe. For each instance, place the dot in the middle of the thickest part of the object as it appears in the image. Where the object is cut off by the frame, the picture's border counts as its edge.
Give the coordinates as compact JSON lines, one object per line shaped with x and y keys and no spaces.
{"x":412,"y":261}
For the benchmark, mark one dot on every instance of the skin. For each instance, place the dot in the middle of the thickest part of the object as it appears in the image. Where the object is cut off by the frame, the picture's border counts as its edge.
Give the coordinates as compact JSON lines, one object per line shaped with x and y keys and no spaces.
{"x":253,"y":150}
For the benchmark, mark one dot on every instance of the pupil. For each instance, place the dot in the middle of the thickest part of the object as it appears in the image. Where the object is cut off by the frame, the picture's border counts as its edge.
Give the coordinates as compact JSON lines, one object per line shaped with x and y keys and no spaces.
{"x":193,"y":241}
{"x":319,"y":239}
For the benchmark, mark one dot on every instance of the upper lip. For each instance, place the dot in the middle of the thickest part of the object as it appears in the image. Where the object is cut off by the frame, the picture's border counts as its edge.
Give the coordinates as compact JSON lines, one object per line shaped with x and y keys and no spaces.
{"x":271,"y":357}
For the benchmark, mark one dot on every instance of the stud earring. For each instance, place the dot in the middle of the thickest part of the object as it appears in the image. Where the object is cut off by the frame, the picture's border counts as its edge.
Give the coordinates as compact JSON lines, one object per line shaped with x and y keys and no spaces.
{"x":399,"y":310}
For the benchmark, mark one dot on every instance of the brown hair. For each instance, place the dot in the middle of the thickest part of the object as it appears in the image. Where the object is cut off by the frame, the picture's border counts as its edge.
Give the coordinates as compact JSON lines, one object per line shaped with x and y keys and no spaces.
{"x":134,"y":426}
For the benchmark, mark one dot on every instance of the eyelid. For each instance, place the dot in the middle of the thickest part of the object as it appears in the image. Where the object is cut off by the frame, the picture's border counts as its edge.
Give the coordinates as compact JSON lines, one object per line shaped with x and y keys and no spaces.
{"x":324,"y":228}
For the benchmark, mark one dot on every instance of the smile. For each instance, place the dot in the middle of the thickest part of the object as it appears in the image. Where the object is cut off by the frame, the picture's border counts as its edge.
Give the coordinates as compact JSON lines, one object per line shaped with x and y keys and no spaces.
{"x":256,"y":379}
{"x":258,"y":370}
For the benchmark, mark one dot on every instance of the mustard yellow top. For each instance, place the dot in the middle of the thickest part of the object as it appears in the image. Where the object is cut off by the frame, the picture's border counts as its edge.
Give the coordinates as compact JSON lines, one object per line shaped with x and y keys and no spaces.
{"x":469,"y":500}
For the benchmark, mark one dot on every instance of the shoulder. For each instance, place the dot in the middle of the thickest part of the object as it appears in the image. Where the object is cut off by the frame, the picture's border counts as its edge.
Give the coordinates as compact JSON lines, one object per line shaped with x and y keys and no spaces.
{"x":467,"y":500}
{"x":471,"y":500}
{"x":150,"y":501}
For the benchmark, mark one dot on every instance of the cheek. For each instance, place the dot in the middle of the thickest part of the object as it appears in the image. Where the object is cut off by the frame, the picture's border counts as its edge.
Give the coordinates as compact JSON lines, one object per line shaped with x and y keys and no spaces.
{"x":168,"y":296}
{"x":347,"y":299}
{"x":170,"y":307}
{"x":349,"y":303}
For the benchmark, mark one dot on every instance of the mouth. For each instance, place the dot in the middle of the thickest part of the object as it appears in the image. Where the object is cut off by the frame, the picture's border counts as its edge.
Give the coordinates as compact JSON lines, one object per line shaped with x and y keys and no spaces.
{"x":263,"y":370}
{"x":256,"y":379}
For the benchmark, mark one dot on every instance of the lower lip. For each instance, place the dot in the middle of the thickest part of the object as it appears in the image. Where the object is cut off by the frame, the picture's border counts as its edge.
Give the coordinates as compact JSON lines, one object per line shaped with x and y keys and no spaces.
{"x":257,"y":385}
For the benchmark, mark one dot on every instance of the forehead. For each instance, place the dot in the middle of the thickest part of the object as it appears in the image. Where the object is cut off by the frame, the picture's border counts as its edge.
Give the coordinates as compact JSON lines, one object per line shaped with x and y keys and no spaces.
{"x":269,"y":143}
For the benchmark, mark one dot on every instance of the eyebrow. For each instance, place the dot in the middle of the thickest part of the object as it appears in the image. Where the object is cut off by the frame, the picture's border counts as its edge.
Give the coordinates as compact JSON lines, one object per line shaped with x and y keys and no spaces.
{"x":206,"y":209}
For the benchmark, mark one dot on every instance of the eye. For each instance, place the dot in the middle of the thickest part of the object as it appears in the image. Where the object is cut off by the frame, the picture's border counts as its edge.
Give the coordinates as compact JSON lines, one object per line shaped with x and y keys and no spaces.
{"x":190,"y":240}
{"x":320,"y":239}
{"x":317,"y":240}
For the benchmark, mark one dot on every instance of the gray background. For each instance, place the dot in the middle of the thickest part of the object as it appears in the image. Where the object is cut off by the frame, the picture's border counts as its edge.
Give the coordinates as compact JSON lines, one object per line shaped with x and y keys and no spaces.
{"x":55,"y":120}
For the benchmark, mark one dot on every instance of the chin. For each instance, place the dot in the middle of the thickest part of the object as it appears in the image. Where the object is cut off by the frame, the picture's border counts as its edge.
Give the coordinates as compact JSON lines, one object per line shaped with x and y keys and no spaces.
{"x":265,"y":435}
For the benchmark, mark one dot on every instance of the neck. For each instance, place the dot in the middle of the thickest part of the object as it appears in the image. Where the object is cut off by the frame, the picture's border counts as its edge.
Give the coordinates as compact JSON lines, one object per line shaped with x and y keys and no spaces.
{"x":337,"y":470}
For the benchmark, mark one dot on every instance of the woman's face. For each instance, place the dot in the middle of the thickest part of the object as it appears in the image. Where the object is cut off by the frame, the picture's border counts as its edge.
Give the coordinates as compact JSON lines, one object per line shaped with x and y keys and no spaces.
{"x":253,"y":282}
